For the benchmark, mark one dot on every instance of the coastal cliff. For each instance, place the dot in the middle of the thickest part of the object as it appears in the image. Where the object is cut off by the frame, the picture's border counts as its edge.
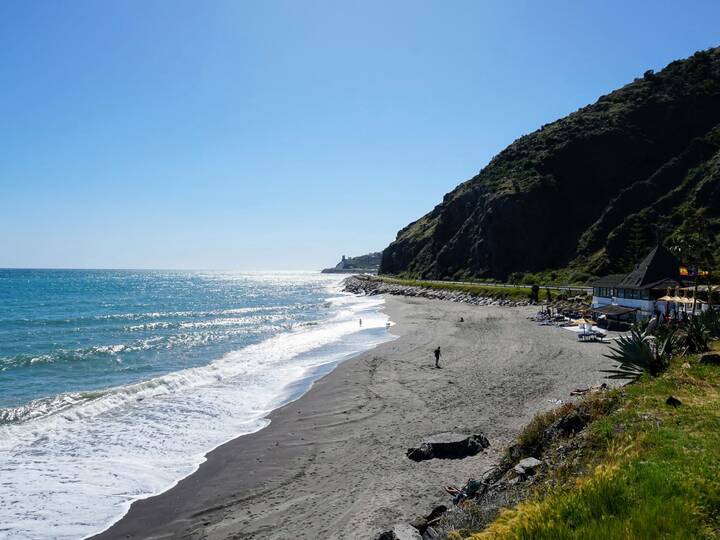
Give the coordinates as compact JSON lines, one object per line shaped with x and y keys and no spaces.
{"x":583,"y":195}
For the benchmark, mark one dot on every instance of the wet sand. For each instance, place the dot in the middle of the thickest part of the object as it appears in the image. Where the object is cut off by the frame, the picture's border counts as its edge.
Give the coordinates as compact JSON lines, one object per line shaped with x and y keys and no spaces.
{"x":332,"y":464}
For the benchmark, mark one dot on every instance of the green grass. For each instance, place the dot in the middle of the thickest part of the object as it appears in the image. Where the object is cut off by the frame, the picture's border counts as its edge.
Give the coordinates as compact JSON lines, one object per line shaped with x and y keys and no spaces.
{"x":532,"y":435}
{"x":654,"y":470}
{"x":515,"y":293}
{"x":562,"y":276}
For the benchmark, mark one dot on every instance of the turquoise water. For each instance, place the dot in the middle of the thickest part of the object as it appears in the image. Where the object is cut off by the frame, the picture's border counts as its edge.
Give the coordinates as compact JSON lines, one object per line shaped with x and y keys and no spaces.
{"x":72,"y":330}
{"x":114,"y":384}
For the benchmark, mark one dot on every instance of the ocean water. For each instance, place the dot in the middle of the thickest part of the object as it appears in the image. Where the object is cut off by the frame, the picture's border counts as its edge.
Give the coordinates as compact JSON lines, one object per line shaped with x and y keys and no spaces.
{"x":115,"y":384}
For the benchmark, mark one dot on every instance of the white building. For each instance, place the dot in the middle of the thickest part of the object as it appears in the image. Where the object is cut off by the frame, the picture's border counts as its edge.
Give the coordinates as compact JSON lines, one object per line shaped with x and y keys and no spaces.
{"x":627,"y":297}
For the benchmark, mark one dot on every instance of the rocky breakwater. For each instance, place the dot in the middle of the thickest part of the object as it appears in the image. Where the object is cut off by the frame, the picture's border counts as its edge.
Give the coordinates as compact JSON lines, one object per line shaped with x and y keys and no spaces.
{"x":370,"y":286}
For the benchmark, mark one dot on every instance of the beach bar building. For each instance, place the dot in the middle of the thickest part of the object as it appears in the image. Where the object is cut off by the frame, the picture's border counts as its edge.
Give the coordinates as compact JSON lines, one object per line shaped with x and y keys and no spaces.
{"x":641,"y":293}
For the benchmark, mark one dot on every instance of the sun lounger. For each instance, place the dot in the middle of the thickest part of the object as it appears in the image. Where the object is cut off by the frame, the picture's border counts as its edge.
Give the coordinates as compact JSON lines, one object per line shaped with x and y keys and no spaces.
{"x":592,"y":335}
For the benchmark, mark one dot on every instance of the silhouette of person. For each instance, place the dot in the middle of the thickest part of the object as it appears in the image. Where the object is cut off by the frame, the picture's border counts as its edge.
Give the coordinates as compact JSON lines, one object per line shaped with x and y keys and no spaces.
{"x":437,"y":357}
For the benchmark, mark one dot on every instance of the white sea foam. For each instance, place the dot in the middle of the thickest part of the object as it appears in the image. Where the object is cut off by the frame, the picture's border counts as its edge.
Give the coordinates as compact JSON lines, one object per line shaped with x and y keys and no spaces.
{"x":197,"y":333}
{"x":77,"y":465}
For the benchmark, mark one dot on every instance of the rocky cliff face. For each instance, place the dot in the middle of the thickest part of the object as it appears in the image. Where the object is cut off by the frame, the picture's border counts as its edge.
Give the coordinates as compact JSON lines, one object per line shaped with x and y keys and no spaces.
{"x":587,"y":192}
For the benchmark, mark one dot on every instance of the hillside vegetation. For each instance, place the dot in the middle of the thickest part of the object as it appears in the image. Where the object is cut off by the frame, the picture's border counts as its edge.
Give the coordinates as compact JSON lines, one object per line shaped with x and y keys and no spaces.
{"x":474,"y":289}
{"x":371,"y":260}
{"x":588,"y":194}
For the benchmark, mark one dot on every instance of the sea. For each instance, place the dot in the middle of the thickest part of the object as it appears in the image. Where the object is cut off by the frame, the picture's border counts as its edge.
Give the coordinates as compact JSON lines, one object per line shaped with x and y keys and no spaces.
{"x":114,"y":384}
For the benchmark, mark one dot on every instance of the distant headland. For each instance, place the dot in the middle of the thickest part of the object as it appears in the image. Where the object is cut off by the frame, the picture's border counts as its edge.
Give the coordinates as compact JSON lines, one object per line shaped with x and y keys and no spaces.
{"x":367,"y":264}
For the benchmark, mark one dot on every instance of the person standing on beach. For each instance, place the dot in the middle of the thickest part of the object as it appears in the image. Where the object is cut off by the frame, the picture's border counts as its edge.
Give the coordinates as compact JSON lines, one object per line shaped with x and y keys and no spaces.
{"x":437,"y":357}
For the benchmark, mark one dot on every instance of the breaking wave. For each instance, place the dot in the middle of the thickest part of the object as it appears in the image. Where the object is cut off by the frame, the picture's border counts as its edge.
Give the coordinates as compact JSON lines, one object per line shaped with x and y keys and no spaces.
{"x":96,"y":451}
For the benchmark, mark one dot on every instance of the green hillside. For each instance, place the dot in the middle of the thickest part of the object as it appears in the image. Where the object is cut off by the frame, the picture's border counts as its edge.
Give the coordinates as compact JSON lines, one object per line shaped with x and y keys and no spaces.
{"x":588,"y":194}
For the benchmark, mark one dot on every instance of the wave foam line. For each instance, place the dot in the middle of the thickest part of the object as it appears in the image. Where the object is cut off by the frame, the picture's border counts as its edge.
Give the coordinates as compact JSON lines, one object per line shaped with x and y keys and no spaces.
{"x":99,"y":455}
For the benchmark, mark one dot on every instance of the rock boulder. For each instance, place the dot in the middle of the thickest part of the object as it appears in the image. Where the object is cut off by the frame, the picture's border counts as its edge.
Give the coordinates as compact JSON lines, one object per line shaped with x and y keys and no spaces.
{"x":448,"y":446}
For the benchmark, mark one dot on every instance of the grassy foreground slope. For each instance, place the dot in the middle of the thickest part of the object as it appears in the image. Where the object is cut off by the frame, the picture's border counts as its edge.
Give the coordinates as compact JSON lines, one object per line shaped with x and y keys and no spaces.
{"x":653,"y":470}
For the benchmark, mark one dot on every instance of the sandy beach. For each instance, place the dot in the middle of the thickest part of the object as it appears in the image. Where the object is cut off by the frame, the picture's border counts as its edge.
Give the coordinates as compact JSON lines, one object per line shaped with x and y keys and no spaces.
{"x":332,"y":464}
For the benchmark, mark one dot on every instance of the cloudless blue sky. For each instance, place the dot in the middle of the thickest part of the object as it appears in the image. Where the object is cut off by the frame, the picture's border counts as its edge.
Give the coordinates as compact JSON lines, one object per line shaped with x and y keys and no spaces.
{"x":280,"y":135}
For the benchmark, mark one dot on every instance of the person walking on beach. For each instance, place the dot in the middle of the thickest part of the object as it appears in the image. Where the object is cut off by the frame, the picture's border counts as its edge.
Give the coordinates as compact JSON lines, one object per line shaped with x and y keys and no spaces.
{"x":437,"y":357}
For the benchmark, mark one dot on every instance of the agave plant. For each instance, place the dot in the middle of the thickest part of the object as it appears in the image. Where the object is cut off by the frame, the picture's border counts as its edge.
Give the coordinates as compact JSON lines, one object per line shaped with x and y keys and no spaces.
{"x":641,"y":326}
{"x":667,"y":334}
{"x":638,"y":353}
{"x":711,"y":321}
{"x":695,"y":335}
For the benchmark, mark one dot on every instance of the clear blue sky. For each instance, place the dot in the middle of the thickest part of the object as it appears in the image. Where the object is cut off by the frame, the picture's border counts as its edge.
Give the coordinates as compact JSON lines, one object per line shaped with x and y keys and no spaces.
{"x":280,"y":135}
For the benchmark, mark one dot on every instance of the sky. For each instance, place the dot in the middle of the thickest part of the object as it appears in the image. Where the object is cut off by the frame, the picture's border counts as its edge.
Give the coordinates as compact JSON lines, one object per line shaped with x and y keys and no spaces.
{"x":266,"y":135}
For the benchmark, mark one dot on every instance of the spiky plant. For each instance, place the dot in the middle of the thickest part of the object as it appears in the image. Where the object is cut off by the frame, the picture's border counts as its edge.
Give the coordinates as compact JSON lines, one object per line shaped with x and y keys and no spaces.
{"x":637,"y":354}
{"x":695,"y":335}
{"x":711,"y":321}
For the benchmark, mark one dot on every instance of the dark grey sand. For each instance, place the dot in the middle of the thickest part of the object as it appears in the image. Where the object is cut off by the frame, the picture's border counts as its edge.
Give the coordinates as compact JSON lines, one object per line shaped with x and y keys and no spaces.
{"x":332,"y":464}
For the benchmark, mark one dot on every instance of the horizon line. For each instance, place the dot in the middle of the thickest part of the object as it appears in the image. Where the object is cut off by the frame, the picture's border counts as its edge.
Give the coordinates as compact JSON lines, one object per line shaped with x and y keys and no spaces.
{"x":158,"y":269}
